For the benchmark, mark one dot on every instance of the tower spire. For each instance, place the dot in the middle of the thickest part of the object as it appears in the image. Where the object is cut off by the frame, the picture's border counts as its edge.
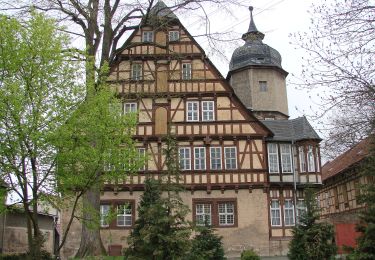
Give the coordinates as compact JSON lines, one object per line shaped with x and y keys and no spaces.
{"x":252,"y":33}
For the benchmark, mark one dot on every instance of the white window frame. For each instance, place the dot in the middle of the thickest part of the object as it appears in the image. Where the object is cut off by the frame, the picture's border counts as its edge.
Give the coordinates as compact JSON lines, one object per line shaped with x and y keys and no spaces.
{"x":275,"y":165}
{"x":215,"y":158}
{"x":208,"y":110}
{"x":276,"y":210}
{"x":192,"y":111}
{"x":104,"y":212}
{"x":289,"y":213}
{"x":226,"y":214}
{"x":147,"y":36}
{"x":136,"y":71}
{"x":286,"y":157}
{"x":126,"y":216}
{"x":230,"y":159}
{"x":185,"y":158}
{"x":200,"y":161}
{"x":310,"y":159}
{"x":205,"y":212}
{"x":186,"y":71}
{"x":130,"y":107}
{"x":174,"y":36}
{"x":317,"y":161}
{"x":302,"y":159}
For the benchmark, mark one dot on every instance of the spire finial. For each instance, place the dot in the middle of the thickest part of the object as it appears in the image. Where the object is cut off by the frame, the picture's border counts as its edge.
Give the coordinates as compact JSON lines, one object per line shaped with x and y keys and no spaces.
{"x":252,"y":28}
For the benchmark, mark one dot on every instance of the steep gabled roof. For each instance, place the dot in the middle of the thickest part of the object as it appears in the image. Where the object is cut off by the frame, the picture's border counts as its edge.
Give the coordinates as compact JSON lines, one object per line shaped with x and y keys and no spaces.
{"x":162,"y":10}
{"x":291,"y":130}
{"x":346,"y":160}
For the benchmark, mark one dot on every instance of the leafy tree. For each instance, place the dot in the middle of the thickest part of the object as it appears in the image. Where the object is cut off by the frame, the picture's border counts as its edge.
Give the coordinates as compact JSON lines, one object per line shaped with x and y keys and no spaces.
{"x":103,"y":26}
{"x":161,"y":231}
{"x":366,"y":241}
{"x":37,"y":96}
{"x":340,"y":65}
{"x":207,"y":245}
{"x":312,"y":239}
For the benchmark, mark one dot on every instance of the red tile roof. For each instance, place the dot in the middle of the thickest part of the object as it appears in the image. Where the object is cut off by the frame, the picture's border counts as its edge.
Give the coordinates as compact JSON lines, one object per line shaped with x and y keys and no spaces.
{"x":345,"y":160}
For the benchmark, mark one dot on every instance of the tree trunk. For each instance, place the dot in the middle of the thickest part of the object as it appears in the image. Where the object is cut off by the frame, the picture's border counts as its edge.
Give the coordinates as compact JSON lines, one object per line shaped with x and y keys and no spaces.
{"x":91,"y":242}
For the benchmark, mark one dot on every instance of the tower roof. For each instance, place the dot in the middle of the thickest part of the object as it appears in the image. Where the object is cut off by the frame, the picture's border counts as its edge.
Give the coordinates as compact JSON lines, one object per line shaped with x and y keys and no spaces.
{"x":254,"y":52}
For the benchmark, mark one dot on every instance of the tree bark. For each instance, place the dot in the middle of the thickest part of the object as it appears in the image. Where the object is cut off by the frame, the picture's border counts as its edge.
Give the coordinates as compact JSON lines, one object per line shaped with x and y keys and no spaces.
{"x":91,"y":242}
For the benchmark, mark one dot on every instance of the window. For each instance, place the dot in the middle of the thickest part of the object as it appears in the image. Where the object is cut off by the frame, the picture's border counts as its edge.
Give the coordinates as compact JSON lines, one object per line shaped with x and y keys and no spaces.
{"x":185,"y":158}
{"x":317,"y":163}
{"x":136,"y":71}
{"x":273,"y":158}
{"x":301,"y":209}
{"x":141,"y":156}
{"x":310,"y":159}
{"x":302,"y":159}
{"x":215,"y":157}
{"x":148,"y":36}
{"x":130,"y":108}
{"x":286,"y":158}
{"x":226,"y":213}
{"x":263,"y":86}
{"x":275,"y":213}
{"x":199,"y":158}
{"x":207,"y":110}
{"x":230,"y":156}
{"x":203,"y":214}
{"x":104,"y":212}
{"x":174,"y":36}
{"x":186,"y":71}
{"x":124,"y":215}
{"x":192,"y":111}
{"x":288,"y":213}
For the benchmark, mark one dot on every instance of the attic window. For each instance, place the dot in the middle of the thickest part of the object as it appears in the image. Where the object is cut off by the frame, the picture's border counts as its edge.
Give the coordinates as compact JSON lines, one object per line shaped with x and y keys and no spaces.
{"x":174,"y":36}
{"x":147,"y":36}
{"x":263,"y":86}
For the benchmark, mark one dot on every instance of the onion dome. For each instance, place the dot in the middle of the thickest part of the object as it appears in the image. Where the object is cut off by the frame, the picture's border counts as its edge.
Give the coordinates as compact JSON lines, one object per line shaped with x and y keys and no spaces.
{"x":254,"y":52}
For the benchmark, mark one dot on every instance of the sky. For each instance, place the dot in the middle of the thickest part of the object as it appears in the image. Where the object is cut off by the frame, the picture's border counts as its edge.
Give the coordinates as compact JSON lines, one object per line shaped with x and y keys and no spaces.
{"x":277,"y":19}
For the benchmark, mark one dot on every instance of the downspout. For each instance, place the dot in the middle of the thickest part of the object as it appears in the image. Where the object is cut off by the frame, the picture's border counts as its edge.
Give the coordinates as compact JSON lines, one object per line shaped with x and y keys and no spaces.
{"x":294,"y":183}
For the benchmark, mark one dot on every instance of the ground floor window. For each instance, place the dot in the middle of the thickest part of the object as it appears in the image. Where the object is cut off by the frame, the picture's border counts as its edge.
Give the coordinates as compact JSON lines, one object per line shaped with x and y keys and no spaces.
{"x":123,"y":213}
{"x":215,"y":212}
{"x":275,"y":213}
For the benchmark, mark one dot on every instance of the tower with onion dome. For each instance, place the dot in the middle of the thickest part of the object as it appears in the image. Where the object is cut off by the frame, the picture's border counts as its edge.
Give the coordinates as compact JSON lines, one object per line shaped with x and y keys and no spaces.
{"x":256,"y":74}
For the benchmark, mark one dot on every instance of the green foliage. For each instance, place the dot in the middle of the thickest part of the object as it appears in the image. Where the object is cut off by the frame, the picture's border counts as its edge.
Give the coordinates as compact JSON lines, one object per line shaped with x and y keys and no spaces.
{"x":312,"y":240}
{"x":44,"y":255}
{"x":366,"y":241}
{"x":249,"y":255}
{"x":161,"y":231}
{"x":207,"y":245}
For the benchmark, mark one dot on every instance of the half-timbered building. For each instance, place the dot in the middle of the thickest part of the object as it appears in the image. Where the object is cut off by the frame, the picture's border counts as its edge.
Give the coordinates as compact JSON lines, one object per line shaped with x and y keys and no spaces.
{"x":338,"y":197}
{"x":243,"y":163}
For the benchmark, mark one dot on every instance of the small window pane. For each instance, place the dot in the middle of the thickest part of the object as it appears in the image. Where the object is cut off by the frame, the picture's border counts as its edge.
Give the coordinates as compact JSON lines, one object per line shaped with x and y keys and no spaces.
{"x":215,"y":157}
{"x":148,"y":36}
{"x":185,"y":158}
{"x":130,"y":108}
{"x":226,"y":213}
{"x":263,"y":86}
{"x":203,"y":214}
{"x":230,"y":155}
{"x":273,"y":158}
{"x":104,"y":212}
{"x":124,"y":215}
{"x":207,"y":110}
{"x":136,"y":71}
{"x":199,"y":158}
{"x":174,"y":36}
{"x":186,"y":71}
{"x":192,"y":112}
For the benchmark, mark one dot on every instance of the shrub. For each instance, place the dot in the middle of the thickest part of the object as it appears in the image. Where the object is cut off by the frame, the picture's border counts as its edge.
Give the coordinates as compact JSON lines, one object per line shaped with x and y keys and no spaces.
{"x":249,"y":255}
